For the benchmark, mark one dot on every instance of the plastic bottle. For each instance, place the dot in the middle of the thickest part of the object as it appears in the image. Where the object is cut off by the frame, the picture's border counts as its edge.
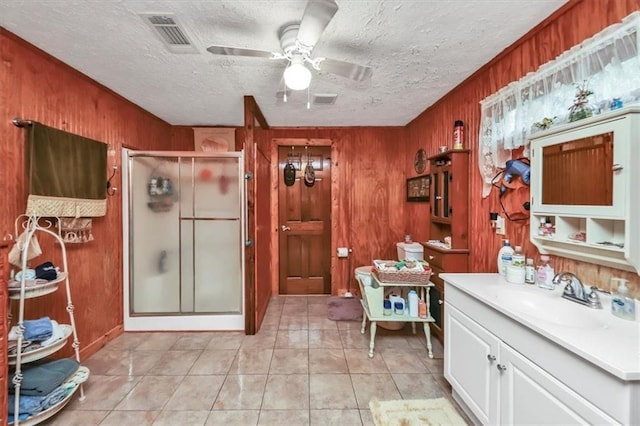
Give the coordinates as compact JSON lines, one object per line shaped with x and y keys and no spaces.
{"x":458,"y":134}
{"x":529,"y":272}
{"x":398,"y":308}
{"x":622,"y":305}
{"x":387,"y":307}
{"x":545,"y":273}
{"x":422,"y":309}
{"x":515,"y":270}
{"x":504,"y":257}
{"x":413,"y":303}
{"x":542,"y":229}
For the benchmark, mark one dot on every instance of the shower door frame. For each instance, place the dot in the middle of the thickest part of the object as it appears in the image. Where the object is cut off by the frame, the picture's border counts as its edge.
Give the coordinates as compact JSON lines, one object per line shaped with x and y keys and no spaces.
{"x":172,"y":322}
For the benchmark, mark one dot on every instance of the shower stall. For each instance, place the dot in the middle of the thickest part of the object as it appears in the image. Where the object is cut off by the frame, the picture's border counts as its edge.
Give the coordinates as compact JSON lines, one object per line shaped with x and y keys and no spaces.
{"x":184,"y":233}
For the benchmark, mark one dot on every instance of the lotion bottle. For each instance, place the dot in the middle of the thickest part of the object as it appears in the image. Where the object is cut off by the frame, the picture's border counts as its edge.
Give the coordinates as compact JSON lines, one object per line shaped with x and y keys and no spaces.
{"x":504,"y":257}
{"x":622,"y":305}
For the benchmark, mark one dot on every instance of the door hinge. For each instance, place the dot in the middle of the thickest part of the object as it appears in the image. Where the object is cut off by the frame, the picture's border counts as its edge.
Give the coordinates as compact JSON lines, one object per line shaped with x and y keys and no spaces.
{"x":450,"y":211}
{"x":451,"y":177}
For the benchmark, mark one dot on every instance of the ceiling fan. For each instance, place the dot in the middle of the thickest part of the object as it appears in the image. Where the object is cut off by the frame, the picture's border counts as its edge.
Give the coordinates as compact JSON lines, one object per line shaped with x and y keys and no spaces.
{"x":297,"y":42}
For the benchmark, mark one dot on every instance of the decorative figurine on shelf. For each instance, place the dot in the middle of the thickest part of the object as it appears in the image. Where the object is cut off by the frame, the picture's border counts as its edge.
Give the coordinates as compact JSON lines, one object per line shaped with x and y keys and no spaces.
{"x":581,"y":108}
{"x":544,"y":124}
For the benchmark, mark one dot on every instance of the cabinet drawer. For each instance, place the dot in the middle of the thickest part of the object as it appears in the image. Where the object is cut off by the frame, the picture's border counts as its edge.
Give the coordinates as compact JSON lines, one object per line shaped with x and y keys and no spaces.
{"x":435,"y":278}
{"x":434,"y":258}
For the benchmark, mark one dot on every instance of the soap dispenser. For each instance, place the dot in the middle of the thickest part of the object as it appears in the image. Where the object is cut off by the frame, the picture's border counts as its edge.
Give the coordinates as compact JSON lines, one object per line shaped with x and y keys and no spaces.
{"x":622,"y":305}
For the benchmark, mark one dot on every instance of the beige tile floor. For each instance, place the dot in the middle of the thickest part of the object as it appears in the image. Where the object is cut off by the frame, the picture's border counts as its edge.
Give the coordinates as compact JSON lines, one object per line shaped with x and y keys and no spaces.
{"x":299,"y":369}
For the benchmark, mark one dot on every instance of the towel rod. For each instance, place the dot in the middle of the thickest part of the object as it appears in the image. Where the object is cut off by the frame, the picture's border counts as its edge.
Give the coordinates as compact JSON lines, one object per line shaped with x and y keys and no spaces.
{"x":19,"y":122}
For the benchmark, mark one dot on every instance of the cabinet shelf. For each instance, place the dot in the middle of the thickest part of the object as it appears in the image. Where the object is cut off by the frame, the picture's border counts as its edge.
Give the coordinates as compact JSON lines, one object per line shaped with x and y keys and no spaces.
{"x":372,"y":298}
{"x":449,"y":221}
{"x":49,"y":412}
{"x":44,"y":351}
{"x":598,"y":202}
{"x":38,"y":290}
{"x":31,"y":225}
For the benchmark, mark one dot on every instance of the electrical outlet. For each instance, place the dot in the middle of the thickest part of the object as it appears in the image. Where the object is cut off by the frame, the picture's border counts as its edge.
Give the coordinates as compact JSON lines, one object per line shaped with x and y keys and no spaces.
{"x":500,"y":226}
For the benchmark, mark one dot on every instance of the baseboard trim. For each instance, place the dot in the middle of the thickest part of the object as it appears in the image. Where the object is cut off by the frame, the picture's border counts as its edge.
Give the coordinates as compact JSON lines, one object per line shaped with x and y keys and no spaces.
{"x":100,"y":343}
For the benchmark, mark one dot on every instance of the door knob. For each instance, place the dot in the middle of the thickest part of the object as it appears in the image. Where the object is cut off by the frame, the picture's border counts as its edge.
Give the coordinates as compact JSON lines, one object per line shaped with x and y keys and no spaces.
{"x":285,"y":228}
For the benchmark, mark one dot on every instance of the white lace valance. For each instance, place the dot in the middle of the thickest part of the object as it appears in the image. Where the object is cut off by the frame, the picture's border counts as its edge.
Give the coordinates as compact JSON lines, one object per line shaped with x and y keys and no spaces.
{"x":607,"y":63}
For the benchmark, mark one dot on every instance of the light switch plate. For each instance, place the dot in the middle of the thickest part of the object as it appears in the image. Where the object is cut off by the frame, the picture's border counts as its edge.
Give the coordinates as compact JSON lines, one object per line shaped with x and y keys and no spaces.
{"x":500,"y":226}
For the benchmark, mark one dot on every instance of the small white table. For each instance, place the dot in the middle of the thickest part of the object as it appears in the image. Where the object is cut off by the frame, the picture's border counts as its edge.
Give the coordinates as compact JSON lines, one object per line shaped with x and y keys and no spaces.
{"x":423,"y":294}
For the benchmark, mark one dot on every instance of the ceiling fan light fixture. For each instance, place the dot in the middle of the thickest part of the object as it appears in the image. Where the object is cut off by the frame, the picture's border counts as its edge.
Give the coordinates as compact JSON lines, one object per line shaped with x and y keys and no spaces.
{"x":297,"y":76}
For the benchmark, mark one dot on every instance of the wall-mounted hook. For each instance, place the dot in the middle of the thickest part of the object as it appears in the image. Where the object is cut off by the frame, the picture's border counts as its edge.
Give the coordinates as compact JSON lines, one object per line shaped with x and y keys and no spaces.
{"x":111,"y":190}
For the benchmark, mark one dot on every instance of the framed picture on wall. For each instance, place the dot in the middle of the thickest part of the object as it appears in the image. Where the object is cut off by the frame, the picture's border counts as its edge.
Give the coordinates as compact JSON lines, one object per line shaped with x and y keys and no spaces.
{"x":214,"y":139}
{"x":418,"y":188}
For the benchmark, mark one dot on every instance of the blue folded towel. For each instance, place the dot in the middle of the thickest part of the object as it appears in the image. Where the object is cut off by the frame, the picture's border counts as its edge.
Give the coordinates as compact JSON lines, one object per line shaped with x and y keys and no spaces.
{"x":40,"y":380}
{"x":30,"y":405}
{"x":36,"y":330}
{"x":29,"y":274}
{"x":56,"y":395}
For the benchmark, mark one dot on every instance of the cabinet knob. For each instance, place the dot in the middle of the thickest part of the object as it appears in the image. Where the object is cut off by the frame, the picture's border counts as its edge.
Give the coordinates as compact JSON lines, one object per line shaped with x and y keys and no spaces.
{"x":438,"y":197}
{"x":440,"y":302}
{"x":285,"y":228}
{"x":617,"y":167}
{"x":501,"y":367}
{"x":491,"y":357}
{"x":431,"y":257}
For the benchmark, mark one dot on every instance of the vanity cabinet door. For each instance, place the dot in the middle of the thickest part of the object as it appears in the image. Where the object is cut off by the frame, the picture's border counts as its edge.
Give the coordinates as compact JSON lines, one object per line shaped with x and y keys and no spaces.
{"x":529,"y":395}
{"x":470,"y":364}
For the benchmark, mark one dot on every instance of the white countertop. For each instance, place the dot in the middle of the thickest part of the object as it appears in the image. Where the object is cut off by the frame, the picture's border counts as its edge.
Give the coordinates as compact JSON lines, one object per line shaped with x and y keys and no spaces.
{"x":596,"y":335}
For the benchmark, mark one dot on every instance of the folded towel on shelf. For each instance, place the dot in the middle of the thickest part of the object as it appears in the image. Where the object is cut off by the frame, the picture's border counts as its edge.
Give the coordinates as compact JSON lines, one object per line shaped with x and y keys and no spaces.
{"x":28,"y":404}
{"x":29,"y":274}
{"x":53,"y":397}
{"x":11,"y":418}
{"x":27,"y":283}
{"x":34,"y":404}
{"x":39,"y":380}
{"x":57,"y":333}
{"x":36,"y":330}
{"x":46,"y":271}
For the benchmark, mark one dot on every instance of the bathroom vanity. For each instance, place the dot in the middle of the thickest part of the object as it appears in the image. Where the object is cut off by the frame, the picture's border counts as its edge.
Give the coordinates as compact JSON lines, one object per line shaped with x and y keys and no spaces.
{"x":518,"y":354}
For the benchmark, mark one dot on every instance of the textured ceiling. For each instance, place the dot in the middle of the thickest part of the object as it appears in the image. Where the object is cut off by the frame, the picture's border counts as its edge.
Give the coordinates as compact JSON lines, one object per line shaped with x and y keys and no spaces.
{"x":419,"y":50}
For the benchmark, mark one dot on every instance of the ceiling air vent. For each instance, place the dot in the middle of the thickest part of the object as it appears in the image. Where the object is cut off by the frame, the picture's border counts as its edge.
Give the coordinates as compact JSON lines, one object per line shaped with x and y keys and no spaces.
{"x":168,"y":28}
{"x":324,"y":98}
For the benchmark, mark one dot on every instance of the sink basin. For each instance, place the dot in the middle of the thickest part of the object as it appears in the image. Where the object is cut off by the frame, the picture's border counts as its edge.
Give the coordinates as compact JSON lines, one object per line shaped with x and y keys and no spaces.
{"x":550,"y":307}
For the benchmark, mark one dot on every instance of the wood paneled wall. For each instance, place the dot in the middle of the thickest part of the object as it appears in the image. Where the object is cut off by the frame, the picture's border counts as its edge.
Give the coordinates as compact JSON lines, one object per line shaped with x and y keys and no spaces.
{"x":572,"y":24}
{"x":370,"y":210}
{"x":35,"y":86}
{"x":264,"y":255}
{"x":4,"y":347}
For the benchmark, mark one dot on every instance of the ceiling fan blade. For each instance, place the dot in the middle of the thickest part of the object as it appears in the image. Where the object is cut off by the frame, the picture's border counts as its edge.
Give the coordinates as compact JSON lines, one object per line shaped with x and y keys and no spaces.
{"x":315,"y":19}
{"x":346,"y":69}
{"x":239,"y":51}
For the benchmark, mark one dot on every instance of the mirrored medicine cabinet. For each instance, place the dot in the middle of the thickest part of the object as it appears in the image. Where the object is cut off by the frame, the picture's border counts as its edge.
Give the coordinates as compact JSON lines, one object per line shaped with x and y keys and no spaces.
{"x":583,"y":202}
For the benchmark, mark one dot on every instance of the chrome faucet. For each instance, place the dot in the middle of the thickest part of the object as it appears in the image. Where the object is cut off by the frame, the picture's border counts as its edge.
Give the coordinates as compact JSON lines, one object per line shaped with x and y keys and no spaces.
{"x":575,"y":291}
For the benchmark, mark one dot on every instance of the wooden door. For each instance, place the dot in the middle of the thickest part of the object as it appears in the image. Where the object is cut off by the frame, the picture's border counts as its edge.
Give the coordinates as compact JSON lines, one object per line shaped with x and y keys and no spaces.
{"x":304,"y":223}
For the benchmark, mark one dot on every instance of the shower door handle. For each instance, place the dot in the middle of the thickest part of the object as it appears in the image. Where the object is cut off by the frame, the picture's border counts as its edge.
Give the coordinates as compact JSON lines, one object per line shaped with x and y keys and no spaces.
{"x":285,"y":228}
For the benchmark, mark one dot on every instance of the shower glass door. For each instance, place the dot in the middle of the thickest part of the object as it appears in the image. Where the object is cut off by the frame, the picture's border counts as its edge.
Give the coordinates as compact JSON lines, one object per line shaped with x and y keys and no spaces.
{"x":186,"y":225}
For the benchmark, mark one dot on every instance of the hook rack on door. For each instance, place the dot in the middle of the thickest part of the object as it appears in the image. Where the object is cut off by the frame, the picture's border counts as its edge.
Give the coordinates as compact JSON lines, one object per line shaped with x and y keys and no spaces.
{"x":295,"y":158}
